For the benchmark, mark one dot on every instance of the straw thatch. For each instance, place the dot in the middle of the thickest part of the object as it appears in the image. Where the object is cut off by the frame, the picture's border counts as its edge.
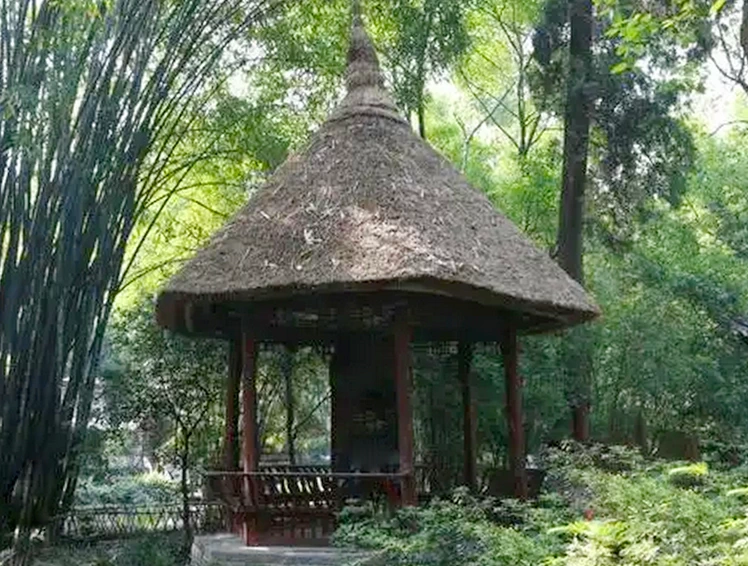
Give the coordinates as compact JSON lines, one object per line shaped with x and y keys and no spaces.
{"x":367,"y":207}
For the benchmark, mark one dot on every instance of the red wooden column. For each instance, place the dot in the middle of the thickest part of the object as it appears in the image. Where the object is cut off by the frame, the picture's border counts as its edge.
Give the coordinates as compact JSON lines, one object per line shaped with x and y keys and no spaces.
{"x":334,"y":420}
{"x":231,"y":430}
{"x":514,"y":413}
{"x":464,"y":364}
{"x":404,"y":388}
{"x":287,"y":364}
{"x":250,"y":452}
{"x":233,"y":385}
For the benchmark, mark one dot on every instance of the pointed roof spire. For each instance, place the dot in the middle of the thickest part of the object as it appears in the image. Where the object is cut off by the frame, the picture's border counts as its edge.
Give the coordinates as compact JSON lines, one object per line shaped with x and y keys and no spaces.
{"x":357,"y":12}
{"x":363,"y":63}
{"x":364,"y":78}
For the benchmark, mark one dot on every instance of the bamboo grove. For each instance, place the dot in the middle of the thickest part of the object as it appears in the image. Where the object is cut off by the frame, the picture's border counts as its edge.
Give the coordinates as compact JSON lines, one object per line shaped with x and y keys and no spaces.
{"x":96,"y":98}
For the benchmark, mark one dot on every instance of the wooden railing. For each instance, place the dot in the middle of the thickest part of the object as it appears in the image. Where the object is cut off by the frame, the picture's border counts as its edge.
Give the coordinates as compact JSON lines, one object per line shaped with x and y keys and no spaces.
{"x":122,"y":521}
{"x":301,"y":504}
{"x":292,"y":503}
{"x":423,"y":475}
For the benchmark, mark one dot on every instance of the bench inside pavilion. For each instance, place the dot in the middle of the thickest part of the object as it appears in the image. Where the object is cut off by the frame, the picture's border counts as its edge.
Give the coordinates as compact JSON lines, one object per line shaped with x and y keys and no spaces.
{"x":365,"y":243}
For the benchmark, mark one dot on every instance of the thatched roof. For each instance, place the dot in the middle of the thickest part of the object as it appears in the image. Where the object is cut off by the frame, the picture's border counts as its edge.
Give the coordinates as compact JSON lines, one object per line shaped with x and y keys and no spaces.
{"x":369,"y":207}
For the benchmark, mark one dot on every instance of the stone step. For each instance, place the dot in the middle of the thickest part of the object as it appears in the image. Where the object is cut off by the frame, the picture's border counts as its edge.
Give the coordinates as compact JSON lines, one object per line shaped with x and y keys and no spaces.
{"x":229,"y":550}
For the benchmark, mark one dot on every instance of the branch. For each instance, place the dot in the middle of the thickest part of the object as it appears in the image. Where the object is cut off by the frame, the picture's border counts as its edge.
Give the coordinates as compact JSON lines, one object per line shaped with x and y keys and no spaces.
{"x":490,"y":112}
{"x":726,"y":124}
{"x":308,"y":417}
{"x":150,"y":269}
{"x":731,"y":74}
{"x":469,"y":137}
{"x":204,"y":206}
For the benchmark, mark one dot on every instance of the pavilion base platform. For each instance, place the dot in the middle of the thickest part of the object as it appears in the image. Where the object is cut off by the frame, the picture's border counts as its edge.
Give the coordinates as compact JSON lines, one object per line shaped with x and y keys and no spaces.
{"x":230,"y":550}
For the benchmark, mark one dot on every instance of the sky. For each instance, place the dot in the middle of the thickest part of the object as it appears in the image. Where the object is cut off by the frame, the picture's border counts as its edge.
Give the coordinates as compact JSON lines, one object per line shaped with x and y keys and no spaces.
{"x":717,"y":106}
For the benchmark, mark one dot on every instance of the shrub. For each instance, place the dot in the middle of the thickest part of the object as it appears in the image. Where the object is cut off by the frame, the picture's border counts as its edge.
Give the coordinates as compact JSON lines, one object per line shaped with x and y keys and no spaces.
{"x":610,"y":458}
{"x":624,"y":518}
{"x":444,"y":533}
{"x":142,"y":490}
{"x":689,"y":476}
{"x":684,"y":525}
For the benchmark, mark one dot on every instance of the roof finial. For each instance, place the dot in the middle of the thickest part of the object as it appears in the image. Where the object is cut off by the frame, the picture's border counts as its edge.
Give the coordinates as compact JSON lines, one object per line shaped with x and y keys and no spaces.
{"x":357,"y":12}
{"x":366,"y":90}
{"x":363,"y":63}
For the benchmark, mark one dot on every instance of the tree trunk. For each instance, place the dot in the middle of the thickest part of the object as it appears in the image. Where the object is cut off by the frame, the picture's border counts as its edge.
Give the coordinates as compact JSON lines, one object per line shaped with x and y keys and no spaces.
{"x":571,"y":219}
{"x":517,"y":456}
{"x":233,"y":386}
{"x":580,"y":419}
{"x":73,"y":183}
{"x":576,"y":140}
{"x":287,"y":364}
{"x":421,"y":119}
{"x":744,"y":30}
{"x":429,"y":13}
{"x":464,"y":365}
{"x":185,"y":489}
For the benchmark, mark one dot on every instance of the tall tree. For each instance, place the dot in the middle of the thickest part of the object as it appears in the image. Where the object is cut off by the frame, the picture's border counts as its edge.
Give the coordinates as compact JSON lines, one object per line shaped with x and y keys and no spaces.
{"x":152,"y":375}
{"x":643,"y":149}
{"x":577,"y":119}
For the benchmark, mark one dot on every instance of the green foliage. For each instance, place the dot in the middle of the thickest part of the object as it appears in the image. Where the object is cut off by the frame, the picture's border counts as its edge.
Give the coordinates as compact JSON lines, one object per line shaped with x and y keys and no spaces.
{"x":98,"y":100}
{"x":641,"y":517}
{"x":639,"y":146}
{"x":153,"y":377}
{"x":444,"y":533}
{"x":688,"y":476}
{"x":570,"y":455}
{"x":681,"y":525}
{"x":666,"y":251}
{"x":151,"y":550}
{"x":497,"y":71}
{"x":302,"y":67}
{"x":633,"y":516}
{"x":642,"y":28}
{"x":663,"y":356}
{"x":142,"y":490}
{"x":172,"y":389}
{"x":420,"y":39}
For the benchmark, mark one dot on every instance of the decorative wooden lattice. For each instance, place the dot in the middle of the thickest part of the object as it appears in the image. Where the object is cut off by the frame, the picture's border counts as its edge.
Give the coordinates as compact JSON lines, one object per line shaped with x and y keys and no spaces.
{"x":93,"y":523}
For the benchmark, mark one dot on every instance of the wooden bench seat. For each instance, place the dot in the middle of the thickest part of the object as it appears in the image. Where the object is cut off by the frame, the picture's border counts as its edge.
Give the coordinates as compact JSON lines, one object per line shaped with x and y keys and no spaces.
{"x":298,"y":504}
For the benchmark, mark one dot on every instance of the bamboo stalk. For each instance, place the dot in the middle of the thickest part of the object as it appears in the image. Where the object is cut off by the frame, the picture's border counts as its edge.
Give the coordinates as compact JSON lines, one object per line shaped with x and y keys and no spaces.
{"x":90,"y":103}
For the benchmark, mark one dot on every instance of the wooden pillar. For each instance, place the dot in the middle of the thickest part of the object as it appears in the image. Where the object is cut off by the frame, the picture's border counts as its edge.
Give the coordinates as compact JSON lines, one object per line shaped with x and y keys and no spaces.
{"x":403,"y":388}
{"x":464,"y":364}
{"x":233,"y":385}
{"x":514,"y":413}
{"x":287,"y":368}
{"x":334,"y":420}
{"x":250,"y":451}
{"x":231,"y":453}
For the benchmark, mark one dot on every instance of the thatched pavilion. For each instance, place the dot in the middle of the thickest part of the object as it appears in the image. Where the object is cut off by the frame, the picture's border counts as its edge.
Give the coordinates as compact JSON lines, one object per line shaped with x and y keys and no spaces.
{"x":365,"y":242}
